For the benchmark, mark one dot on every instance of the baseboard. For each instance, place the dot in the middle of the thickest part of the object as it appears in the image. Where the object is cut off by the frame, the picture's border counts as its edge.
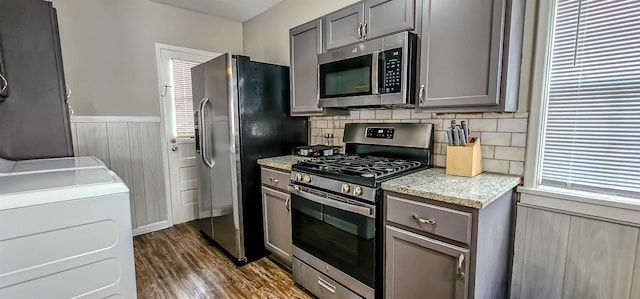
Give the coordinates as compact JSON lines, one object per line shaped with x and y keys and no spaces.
{"x":115,"y":119}
{"x":150,"y":227}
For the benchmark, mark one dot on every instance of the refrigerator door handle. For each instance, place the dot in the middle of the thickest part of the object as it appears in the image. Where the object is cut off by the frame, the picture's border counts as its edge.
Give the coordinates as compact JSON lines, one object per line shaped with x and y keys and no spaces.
{"x":203,"y":137}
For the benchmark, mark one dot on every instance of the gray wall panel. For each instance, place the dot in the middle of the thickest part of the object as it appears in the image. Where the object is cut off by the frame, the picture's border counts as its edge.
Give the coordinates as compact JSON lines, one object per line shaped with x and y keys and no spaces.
{"x":600,"y":259}
{"x":518,"y":254}
{"x":138,"y":195}
{"x":635,"y":283}
{"x":545,"y":248}
{"x":152,"y":166}
{"x":563,"y":256}
{"x":74,"y":138}
{"x":120,"y":157}
{"x":92,"y":141}
{"x":133,"y":151}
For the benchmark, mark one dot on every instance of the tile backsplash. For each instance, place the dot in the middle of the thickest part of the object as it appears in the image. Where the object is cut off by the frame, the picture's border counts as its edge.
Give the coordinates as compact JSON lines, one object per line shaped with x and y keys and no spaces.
{"x":503,"y":135}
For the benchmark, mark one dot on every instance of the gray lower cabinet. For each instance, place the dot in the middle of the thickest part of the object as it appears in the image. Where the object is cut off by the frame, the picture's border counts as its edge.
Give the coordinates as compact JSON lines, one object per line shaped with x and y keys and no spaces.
{"x":276,"y":213}
{"x":421,"y":267}
{"x":470,"y":55}
{"x":367,"y":20}
{"x":440,"y":250}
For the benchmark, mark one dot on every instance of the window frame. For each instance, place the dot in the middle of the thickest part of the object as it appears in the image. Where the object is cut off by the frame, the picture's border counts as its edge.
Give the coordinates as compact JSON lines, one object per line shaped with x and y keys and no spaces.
{"x":173,"y":99}
{"x":165,"y":79}
{"x":620,"y":209}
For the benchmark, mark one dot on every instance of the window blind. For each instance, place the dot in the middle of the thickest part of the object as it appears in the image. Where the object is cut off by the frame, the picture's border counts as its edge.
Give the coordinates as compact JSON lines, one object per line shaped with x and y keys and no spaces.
{"x":182,"y":97}
{"x":591,"y":137}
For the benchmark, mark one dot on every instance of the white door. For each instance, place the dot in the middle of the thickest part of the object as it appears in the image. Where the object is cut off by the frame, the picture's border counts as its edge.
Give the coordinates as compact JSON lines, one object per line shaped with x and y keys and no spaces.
{"x":174,"y":77}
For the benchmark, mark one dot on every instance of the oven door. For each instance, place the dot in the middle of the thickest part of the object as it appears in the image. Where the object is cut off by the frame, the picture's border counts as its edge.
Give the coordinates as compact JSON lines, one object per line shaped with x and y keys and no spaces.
{"x":336,"y":230}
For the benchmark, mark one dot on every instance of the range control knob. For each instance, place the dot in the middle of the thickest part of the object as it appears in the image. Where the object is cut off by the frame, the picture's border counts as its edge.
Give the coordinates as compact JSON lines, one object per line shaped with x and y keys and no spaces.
{"x":298,"y":177}
{"x":357,"y":191}
{"x":307,"y":179}
{"x":346,"y":188}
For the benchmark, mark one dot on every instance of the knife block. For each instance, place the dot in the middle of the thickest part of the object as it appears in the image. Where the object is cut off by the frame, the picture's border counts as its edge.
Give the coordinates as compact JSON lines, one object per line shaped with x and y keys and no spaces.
{"x":465,"y":160}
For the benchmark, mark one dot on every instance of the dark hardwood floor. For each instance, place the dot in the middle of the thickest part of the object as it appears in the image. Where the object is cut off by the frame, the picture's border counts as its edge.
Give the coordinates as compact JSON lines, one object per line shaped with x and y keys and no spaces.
{"x":179,"y":262}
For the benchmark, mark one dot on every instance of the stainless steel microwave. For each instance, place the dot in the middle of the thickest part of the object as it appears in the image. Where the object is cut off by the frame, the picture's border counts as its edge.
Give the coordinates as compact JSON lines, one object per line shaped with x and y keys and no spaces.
{"x":375,"y":73}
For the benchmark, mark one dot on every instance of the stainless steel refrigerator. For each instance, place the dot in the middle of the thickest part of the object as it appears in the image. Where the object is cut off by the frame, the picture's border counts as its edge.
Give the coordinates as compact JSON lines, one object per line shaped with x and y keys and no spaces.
{"x":241,"y":112}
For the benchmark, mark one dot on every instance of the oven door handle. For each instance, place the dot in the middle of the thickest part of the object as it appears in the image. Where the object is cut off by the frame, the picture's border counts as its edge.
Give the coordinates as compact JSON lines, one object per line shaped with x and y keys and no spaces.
{"x":362,"y":210}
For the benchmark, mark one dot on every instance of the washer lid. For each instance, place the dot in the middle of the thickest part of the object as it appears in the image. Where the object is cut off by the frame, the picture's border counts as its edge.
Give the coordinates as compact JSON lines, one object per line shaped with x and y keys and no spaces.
{"x":43,"y":165}
{"x":25,"y":190}
{"x":55,"y":180}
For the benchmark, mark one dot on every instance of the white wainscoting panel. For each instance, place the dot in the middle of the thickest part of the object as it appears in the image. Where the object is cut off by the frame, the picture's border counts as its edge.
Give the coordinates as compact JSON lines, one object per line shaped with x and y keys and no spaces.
{"x":599,"y":260}
{"x":545,"y":247}
{"x":559,"y":255}
{"x":635,"y":283}
{"x":93,"y":141}
{"x":131,"y":147}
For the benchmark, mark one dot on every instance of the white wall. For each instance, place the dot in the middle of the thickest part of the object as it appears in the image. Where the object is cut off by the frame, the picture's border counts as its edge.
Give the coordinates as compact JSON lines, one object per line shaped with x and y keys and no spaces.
{"x":109,"y":53}
{"x":266,"y":36}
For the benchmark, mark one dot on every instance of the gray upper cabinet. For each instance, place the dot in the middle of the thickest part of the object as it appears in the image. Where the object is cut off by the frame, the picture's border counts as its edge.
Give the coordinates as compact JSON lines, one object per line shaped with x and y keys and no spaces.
{"x":383,"y":17}
{"x":421,"y":267}
{"x":306,"y":43}
{"x":344,"y":27}
{"x":367,"y":20}
{"x":470,"y":55}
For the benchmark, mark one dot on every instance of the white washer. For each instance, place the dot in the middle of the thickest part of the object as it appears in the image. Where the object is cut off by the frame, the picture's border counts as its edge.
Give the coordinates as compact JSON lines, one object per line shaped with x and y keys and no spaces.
{"x":8,"y":167}
{"x":66,"y":234}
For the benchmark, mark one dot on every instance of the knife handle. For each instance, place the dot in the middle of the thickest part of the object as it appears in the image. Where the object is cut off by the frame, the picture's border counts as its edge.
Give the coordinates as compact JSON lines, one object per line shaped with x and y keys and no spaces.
{"x":449,"y":136}
{"x":463,"y":140}
{"x":465,"y":129}
{"x":456,"y":136}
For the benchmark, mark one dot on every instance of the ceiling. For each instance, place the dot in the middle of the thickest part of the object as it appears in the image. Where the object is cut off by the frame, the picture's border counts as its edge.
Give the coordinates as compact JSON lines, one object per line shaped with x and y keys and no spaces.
{"x":237,"y":10}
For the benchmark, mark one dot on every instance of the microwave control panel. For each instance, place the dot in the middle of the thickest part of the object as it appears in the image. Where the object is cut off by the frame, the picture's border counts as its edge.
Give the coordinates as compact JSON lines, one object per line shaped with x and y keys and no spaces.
{"x":392,"y":77}
{"x":384,"y":133}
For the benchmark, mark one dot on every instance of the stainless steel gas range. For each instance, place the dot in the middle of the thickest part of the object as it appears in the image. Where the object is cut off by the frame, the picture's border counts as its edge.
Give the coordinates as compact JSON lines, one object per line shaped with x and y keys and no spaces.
{"x":337,"y":207}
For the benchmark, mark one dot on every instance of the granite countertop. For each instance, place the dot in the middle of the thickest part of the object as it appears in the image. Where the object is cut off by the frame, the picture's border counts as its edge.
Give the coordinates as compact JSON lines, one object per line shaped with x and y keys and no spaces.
{"x":281,"y":162}
{"x":476,"y":192}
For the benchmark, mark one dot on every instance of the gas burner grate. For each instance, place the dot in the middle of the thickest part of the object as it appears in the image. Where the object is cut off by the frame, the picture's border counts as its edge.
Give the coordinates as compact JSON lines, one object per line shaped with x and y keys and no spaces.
{"x":364,"y":166}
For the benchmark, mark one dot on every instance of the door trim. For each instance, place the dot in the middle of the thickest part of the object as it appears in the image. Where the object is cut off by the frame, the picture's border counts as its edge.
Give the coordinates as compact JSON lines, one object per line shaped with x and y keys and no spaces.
{"x":163,"y":134}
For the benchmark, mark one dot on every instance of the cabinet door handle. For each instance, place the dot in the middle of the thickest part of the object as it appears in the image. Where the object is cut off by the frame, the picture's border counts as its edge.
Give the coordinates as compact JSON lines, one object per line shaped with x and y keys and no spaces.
{"x":70,"y":109}
{"x":5,"y":85}
{"x":274,"y":181}
{"x":459,"y":268}
{"x":364,"y":30}
{"x":287,"y":204}
{"x":67,"y":90}
{"x":421,"y":94}
{"x":326,"y":285}
{"x":360,"y":31}
{"x":3,"y":80}
{"x":424,"y":221}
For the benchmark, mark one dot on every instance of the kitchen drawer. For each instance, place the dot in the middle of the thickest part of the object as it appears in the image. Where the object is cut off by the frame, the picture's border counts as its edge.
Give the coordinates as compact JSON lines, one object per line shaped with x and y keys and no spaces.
{"x":452,"y":224}
{"x":320,"y":285}
{"x":275,"y":179}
